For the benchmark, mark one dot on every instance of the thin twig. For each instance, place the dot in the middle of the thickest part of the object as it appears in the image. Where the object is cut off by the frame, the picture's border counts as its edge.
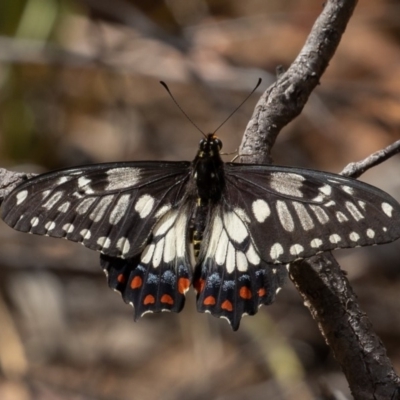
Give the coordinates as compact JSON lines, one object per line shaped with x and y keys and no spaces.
{"x":356,"y":169}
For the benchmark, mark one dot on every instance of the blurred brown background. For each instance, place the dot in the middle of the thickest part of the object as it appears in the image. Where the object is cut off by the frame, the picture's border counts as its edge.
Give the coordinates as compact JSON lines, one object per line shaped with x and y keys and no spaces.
{"x":79,"y":84}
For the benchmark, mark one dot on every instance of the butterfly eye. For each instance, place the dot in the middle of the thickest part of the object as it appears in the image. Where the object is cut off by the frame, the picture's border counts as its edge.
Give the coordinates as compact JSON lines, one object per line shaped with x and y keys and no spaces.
{"x":218,"y":143}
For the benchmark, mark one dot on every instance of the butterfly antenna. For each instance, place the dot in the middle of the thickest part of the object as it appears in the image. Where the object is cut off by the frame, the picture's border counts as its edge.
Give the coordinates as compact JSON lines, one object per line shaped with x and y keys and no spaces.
{"x":183,"y":112}
{"x":240,"y":105}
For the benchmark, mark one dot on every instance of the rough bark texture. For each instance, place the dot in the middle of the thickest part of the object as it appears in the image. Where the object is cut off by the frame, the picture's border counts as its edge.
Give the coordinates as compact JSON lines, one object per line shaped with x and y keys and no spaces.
{"x":285,"y":99}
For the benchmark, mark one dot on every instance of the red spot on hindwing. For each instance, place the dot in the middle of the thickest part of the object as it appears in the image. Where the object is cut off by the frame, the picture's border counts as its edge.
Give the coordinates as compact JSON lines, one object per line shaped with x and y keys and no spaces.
{"x":183,"y":285}
{"x":199,"y":285}
{"x":245,"y":293}
{"x":121,"y":278}
{"x":149,"y":299}
{"x":261,"y":292}
{"x":227,"y":305}
{"x":209,"y":301}
{"x":136,"y":282}
{"x":166,"y":298}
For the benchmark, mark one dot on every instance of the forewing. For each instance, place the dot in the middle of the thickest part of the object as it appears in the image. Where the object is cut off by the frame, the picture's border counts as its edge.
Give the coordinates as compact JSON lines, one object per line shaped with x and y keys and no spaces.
{"x":292,"y":213}
{"x":110,"y":208}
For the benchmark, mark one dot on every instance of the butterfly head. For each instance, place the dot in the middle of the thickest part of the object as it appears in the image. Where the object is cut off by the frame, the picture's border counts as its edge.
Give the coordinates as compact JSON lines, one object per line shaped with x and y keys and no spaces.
{"x":209,"y":146}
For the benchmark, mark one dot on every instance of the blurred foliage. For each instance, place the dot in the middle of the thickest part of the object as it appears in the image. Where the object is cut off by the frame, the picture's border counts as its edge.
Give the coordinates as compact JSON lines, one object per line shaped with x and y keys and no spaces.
{"x":79,"y":84}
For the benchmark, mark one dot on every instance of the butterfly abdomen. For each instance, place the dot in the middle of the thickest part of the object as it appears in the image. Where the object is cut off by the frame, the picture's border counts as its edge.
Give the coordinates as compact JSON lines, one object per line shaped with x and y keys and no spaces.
{"x":210,"y":182}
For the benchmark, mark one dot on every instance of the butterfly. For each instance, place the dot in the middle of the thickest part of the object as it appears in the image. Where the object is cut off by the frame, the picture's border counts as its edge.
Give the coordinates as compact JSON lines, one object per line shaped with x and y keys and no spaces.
{"x":228,"y":229}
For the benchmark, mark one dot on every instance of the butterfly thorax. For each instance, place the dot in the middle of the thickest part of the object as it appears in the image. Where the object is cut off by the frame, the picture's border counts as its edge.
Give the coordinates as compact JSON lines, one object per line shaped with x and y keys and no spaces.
{"x":209,"y":176}
{"x":208,"y":169}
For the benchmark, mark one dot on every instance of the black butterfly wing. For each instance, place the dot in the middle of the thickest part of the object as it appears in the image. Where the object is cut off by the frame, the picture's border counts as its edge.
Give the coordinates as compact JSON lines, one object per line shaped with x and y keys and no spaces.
{"x":293,"y":213}
{"x":107,"y":207}
{"x":136,"y":214}
{"x":269,"y":216}
{"x":158,"y":278}
{"x":231,"y":279}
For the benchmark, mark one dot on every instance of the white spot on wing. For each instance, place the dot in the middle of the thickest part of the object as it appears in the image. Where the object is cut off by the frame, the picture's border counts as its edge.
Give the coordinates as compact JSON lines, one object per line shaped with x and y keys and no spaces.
{"x":144,"y":205}
{"x":341,"y":217}
{"x":52,"y":200}
{"x":64,"y":207}
{"x":181,"y":233}
{"x":119,"y":210}
{"x":45,"y":194}
{"x":21,"y":196}
{"x":319,"y":199}
{"x":235,"y":227}
{"x":34,"y":221}
{"x":370,"y":233}
{"x":222,"y":248}
{"x":50,"y":225}
{"x":276,"y":251}
{"x":260,"y":210}
{"x":362,"y":204}
{"x":252,"y":255}
{"x":215,"y":236}
{"x":147,"y":253}
{"x":230,"y":259}
{"x":348,"y":189}
{"x":387,"y":209}
{"x":85,"y":233}
{"x":84,"y":205}
{"x":326,"y":189}
{"x":158,"y":253}
{"x":354,"y":236}
{"x":68,"y":228}
{"x":287,"y":183}
{"x":284,"y":215}
{"x":170,"y":246}
{"x":104,"y":242}
{"x":98,"y":212}
{"x":296,"y":249}
{"x":165,"y":223}
{"x":305,"y":219}
{"x":353,"y":210}
{"x":82,"y":181}
{"x":161,"y":211}
{"x":315,"y":243}
{"x":123,"y":245}
{"x":121,"y":178}
{"x":241,"y":261}
{"x":335,"y":238}
{"x":62,"y":180}
{"x":320,"y":213}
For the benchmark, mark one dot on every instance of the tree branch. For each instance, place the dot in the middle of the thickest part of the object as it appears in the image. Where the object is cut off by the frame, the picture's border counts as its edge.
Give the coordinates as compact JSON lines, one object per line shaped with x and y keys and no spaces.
{"x":320,"y":281}
{"x":356,"y":169}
